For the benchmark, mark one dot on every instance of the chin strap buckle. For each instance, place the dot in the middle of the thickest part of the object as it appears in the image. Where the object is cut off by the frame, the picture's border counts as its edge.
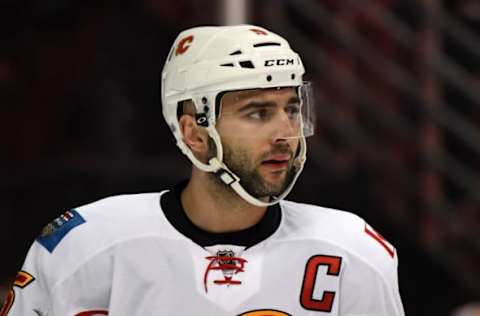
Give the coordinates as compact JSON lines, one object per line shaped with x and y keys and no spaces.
{"x":227,"y":177}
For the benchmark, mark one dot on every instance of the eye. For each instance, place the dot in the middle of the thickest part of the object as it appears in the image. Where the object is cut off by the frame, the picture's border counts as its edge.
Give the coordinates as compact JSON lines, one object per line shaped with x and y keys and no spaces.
{"x":260,"y":114}
{"x":293,"y":110}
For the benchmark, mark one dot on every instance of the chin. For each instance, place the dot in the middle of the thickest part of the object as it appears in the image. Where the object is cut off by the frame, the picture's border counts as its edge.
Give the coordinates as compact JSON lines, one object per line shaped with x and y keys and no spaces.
{"x":276,"y":179}
{"x":275,"y":188}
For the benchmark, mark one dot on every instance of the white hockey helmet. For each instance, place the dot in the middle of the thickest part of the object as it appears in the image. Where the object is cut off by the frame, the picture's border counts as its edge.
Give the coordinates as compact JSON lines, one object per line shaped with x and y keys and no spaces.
{"x":205,"y":62}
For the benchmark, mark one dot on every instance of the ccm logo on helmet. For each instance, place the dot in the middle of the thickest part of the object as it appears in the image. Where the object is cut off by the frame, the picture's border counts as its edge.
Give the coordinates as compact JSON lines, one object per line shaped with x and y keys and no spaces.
{"x":279,"y":62}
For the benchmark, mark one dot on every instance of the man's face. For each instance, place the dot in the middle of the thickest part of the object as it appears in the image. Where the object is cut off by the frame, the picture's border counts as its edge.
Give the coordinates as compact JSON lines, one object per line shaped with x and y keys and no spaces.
{"x":260,"y":131}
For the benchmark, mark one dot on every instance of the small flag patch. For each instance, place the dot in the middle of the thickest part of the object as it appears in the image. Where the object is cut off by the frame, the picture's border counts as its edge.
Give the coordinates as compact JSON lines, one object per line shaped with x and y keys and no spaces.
{"x":57,"y":229}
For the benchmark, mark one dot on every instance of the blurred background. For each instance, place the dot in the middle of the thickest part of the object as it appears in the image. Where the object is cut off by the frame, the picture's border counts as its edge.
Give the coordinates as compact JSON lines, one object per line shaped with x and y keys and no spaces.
{"x":398,"y":97}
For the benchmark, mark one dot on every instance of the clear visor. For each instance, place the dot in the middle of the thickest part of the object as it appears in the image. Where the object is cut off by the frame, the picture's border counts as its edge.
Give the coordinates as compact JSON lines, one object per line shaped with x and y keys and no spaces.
{"x":286,"y":112}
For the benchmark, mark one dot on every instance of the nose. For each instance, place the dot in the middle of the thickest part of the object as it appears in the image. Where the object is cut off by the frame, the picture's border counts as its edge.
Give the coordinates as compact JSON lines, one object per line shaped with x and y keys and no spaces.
{"x":284,"y":127}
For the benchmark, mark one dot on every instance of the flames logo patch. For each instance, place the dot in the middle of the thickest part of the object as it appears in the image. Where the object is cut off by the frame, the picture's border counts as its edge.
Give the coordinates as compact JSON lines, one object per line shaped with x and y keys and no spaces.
{"x":22,"y":279}
{"x":265,"y":312}
{"x":183,"y":45}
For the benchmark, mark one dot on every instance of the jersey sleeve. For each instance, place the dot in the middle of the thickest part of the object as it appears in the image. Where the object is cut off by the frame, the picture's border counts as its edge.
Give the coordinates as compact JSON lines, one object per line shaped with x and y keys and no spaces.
{"x":83,"y":289}
{"x":371,"y":287}
{"x":375,"y":297}
{"x":29,"y":294}
{"x":65,"y":272}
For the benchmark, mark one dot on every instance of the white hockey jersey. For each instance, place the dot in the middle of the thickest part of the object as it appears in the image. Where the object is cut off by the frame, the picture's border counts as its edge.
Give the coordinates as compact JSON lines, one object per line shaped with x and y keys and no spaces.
{"x":139,"y":255}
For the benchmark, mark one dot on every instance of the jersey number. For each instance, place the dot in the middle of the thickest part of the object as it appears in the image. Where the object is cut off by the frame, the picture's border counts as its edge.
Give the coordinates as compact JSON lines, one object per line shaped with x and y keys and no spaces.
{"x":22,"y":280}
{"x":8,"y":303}
{"x":325,"y":303}
{"x":379,"y":238}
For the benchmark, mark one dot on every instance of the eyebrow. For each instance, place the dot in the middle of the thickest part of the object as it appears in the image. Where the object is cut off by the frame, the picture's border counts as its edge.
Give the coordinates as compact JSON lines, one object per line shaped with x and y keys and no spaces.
{"x":265,"y":104}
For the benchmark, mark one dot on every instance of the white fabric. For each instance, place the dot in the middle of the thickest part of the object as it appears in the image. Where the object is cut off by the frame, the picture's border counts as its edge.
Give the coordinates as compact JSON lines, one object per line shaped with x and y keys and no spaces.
{"x":128,"y":259}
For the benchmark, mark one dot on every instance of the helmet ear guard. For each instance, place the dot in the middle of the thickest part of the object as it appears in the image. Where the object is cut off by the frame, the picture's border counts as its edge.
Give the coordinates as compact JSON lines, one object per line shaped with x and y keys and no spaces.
{"x":205,"y":63}
{"x":204,"y":121}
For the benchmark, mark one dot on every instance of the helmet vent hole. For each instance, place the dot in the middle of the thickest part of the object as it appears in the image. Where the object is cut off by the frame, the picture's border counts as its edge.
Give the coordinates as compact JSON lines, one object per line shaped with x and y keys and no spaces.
{"x":269,"y":78}
{"x":228,"y":65}
{"x":246,"y":64}
{"x":266,"y":44}
{"x":293,"y":76}
{"x":237,"y":52}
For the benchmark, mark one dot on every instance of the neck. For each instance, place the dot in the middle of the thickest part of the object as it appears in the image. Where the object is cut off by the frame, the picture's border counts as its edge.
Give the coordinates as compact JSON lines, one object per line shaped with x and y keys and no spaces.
{"x":216,"y":208}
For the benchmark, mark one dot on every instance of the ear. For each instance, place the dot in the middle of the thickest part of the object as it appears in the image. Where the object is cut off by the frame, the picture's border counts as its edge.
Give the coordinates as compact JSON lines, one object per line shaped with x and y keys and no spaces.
{"x":194,"y":136}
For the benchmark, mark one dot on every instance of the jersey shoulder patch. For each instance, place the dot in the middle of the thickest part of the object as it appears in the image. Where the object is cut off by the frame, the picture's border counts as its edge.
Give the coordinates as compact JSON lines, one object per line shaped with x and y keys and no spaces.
{"x":53,"y":233}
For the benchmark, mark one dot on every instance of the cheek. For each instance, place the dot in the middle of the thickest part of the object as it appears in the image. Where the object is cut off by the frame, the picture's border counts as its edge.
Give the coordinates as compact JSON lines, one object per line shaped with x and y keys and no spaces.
{"x":294,"y":143}
{"x":231,"y":126}
{"x":241,"y":144}
{"x":247,"y":147}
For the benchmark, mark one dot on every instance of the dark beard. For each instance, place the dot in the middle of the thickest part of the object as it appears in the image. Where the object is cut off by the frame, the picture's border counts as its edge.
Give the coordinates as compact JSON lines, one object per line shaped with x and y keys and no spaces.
{"x":250,"y":179}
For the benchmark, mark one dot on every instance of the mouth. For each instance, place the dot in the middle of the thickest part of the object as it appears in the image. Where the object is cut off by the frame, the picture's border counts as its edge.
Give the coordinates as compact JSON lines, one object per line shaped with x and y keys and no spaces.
{"x":277,"y":163}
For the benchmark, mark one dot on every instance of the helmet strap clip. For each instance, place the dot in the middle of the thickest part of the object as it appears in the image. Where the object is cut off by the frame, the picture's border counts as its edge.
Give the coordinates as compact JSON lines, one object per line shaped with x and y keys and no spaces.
{"x":201,"y":119}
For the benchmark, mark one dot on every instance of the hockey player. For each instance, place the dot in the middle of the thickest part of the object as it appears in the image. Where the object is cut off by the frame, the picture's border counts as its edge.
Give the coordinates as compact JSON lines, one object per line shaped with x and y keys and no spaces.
{"x":225,"y":242}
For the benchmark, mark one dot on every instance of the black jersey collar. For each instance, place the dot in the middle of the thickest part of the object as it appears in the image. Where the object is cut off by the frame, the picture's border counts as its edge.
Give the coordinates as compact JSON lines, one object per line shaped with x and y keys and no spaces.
{"x":172,"y":208}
